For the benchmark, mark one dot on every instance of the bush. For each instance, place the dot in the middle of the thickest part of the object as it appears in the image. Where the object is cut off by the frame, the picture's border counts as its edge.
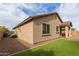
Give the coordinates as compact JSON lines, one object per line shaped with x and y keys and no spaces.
{"x":4,"y":29}
{"x":73,"y":29}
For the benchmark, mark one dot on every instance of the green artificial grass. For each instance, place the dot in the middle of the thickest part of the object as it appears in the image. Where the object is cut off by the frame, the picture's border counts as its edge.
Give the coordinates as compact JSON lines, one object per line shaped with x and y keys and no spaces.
{"x":62,"y":47}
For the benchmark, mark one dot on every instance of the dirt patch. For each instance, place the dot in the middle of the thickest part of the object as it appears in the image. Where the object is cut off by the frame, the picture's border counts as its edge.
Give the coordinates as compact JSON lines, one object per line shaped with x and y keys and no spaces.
{"x":75,"y":35}
{"x":9,"y":46}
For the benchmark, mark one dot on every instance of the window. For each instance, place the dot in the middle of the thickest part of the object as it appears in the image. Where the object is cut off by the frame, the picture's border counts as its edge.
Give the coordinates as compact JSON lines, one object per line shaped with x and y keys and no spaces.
{"x":57,"y":29}
{"x":45,"y":28}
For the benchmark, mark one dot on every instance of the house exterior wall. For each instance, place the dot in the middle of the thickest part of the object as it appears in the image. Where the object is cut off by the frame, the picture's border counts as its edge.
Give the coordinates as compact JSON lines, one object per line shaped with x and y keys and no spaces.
{"x":68,"y":32}
{"x":37,"y":35}
{"x":25,"y":33}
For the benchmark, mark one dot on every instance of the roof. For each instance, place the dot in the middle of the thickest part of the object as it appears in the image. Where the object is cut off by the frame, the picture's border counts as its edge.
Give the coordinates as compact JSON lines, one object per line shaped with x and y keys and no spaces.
{"x":67,"y":23}
{"x":36,"y":16}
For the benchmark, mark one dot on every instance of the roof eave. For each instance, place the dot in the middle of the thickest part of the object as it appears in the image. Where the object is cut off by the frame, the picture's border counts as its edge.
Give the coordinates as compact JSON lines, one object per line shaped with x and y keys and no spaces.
{"x":31,"y":17}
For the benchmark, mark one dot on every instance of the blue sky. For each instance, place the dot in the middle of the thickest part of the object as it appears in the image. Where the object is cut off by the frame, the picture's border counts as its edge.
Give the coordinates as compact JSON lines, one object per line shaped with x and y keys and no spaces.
{"x":12,"y":14}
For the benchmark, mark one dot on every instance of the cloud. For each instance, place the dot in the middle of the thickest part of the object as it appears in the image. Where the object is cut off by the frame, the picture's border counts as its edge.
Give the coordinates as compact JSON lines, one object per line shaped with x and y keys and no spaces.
{"x":70,"y":12}
{"x":10,"y":15}
{"x":38,"y":8}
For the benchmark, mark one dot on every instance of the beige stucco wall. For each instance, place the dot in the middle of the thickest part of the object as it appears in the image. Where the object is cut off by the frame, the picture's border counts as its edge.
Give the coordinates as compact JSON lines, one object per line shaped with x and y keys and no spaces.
{"x":25,"y":33}
{"x":38,"y":28}
{"x":68,"y":32}
{"x":32,"y":31}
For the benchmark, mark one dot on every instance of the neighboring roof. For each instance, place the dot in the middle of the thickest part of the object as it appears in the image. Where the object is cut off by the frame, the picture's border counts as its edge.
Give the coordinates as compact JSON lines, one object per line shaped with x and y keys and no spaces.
{"x":67,"y":23}
{"x":37,"y":16}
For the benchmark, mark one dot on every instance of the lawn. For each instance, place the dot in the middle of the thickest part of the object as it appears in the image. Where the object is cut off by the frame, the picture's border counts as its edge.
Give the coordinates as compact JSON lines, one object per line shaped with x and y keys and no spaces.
{"x":62,"y":47}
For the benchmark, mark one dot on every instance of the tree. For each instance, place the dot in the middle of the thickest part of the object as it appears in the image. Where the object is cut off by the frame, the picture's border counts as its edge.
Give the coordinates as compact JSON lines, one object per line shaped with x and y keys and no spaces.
{"x":4,"y":28}
{"x":73,"y":29}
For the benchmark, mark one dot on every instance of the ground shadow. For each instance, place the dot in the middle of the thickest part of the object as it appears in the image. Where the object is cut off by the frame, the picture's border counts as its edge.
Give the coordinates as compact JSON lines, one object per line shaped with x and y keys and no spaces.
{"x":10,"y":45}
{"x":39,"y":52}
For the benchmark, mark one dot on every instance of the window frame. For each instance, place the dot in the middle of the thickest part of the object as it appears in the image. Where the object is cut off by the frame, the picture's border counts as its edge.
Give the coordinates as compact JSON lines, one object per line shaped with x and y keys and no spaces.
{"x":47,"y":24}
{"x":57,"y":29}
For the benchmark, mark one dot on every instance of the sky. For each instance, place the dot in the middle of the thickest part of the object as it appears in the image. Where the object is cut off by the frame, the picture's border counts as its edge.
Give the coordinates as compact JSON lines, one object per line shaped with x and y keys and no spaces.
{"x":12,"y":14}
